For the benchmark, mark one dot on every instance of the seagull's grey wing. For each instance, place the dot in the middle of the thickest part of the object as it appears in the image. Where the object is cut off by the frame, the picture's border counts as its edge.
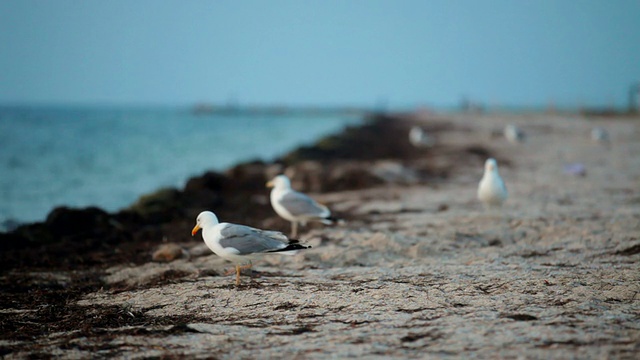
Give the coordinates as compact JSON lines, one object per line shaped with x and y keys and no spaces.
{"x":248,"y":240}
{"x":299,"y":204}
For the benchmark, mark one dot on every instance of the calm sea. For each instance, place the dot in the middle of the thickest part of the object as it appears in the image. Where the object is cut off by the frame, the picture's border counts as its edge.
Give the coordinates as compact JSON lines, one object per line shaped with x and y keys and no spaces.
{"x":108,"y":157}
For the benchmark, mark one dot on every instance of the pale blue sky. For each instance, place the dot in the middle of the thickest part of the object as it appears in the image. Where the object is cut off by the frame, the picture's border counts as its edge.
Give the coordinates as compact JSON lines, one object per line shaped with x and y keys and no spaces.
{"x":298,"y":52}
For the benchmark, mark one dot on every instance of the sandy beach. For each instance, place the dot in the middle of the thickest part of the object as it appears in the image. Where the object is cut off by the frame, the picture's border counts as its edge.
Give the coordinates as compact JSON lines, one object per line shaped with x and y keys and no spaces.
{"x":419,"y":269}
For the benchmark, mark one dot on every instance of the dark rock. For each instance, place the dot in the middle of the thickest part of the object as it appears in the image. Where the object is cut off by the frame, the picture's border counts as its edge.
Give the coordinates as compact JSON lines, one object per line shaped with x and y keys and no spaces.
{"x":209,"y":181}
{"x":160,"y":206}
{"x":372,"y":141}
{"x":307,"y":176}
{"x":12,"y":241}
{"x":348,"y":175}
{"x":64,"y":221}
{"x":248,"y":176}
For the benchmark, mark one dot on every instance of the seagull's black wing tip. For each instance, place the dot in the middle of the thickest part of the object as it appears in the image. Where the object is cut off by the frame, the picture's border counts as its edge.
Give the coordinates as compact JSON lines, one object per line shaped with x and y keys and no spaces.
{"x":293,"y":246}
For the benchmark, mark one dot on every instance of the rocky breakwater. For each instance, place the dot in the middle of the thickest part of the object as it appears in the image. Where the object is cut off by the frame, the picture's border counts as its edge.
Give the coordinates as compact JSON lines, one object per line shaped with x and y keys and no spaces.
{"x":360,"y":157}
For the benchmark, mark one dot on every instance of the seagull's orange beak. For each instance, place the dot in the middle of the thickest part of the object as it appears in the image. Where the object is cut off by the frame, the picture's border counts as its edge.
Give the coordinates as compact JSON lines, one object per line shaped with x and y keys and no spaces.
{"x":270,"y":184}
{"x":195,"y":230}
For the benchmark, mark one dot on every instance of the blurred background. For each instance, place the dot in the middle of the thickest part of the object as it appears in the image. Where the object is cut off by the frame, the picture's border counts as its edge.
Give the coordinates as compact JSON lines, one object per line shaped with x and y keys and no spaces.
{"x":102,"y":101}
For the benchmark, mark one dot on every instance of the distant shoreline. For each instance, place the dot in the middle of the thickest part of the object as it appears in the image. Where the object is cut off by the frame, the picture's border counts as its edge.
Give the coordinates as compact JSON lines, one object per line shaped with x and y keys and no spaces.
{"x":206,"y":108}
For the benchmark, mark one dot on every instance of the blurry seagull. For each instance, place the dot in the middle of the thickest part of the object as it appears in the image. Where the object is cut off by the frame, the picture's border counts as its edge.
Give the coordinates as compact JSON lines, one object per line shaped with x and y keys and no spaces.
{"x":600,"y":135}
{"x":513,"y":134}
{"x":419,"y":138}
{"x":491,"y":190}
{"x":295,"y":206}
{"x":241,"y":244}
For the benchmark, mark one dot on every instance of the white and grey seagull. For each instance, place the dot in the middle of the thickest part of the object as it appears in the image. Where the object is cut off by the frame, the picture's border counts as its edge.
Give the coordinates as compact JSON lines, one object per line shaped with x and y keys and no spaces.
{"x":491,"y":189}
{"x":241,"y":244}
{"x":514,"y":134}
{"x":295,"y":206}
{"x":600,"y":135}
{"x":418,"y":137}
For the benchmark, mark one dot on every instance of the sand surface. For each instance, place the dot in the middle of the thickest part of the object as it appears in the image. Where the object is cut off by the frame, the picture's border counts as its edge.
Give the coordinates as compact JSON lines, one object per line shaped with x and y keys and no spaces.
{"x":420,"y":270}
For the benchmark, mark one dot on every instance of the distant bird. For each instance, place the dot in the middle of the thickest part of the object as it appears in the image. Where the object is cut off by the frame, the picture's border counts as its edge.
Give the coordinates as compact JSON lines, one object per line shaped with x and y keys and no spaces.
{"x":514,"y":134}
{"x":600,"y":135}
{"x":419,"y":138}
{"x":295,"y":206}
{"x":241,"y":244}
{"x":491,"y":190}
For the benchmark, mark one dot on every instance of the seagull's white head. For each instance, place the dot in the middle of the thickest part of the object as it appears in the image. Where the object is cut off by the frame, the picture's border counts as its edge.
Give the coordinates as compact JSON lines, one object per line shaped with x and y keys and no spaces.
{"x":205,"y":218}
{"x":491,"y":166}
{"x":280,"y":182}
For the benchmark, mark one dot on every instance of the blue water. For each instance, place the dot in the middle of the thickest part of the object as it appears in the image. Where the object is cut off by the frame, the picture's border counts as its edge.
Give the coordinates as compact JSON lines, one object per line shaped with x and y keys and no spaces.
{"x":108,"y":157}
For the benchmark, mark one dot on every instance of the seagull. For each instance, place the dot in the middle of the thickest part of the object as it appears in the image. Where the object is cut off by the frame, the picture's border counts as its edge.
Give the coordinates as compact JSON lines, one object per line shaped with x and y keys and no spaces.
{"x":295,"y":206}
{"x":491,"y":190}
{"x":419,"y":138}
{"x":513,"y":134}
{"x":240,"y":243}
{"x":600,"y":135}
